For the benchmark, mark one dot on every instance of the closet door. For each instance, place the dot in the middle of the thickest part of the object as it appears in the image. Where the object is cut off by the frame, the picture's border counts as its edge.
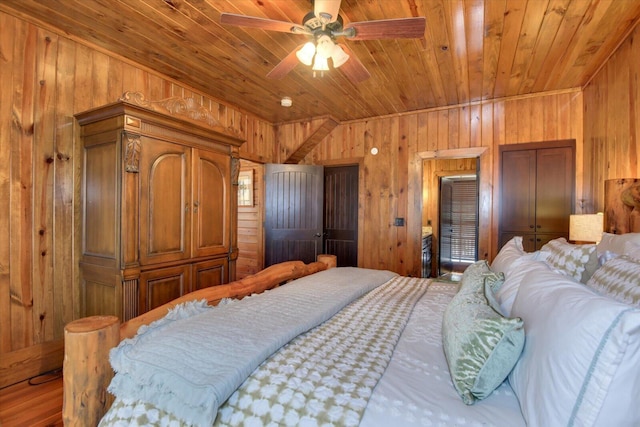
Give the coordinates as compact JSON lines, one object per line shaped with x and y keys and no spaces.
{"x":518,"y":184}
{"x":554,"y":190}
{"x":537,"y":192}
{"x":165,"y":203}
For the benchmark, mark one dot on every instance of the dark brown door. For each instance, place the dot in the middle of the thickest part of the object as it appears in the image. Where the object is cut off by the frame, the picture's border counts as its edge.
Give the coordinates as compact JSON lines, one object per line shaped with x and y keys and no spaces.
{"x":293,"y":213}
{"x":341,"y":214}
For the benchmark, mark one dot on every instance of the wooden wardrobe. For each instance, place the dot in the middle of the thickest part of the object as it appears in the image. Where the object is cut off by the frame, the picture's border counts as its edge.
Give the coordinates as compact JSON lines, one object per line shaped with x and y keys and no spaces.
{"x":537,"y":187}
{"x":159,"y":202}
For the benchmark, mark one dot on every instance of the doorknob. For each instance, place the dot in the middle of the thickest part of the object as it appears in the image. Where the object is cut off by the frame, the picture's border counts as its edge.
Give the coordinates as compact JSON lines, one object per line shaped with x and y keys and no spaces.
{"x":318,"y":235}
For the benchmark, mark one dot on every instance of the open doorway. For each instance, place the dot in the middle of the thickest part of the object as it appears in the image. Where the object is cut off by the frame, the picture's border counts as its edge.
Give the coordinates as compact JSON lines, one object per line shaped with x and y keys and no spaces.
{"x":435,"y":166}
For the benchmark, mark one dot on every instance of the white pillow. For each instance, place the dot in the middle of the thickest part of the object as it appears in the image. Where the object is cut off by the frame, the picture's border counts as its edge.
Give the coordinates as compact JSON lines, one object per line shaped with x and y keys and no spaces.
{"x":505,"y":295}
{"x":511,"y":251}
{"x":581,"y":356}
{"x":632,"y":250}
{"x":615,"y":243}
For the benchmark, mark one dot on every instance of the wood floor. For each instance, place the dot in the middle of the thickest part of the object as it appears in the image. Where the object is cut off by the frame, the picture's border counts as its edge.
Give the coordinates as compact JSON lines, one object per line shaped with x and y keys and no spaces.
{"x":33,"y":403}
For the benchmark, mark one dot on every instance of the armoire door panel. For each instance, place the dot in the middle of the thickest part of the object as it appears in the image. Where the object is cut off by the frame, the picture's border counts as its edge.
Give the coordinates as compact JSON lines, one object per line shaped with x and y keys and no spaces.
{"x":100,"y":194}
{"x":160,"y":286}
{"x":165,"y":203}
{"x":210,"y":201}
{"x":210,"y":273}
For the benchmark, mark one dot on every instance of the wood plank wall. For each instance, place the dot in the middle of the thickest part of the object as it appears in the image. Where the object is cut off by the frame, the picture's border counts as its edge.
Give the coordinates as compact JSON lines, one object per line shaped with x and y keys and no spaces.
{"x":44,"y":80}
{"x":392,"y":180}
{"x":612,"y":122}
{"x":250,"y":231}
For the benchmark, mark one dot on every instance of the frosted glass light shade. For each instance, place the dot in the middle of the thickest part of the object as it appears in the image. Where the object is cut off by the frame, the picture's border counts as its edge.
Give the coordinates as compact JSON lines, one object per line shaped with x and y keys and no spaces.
{"x":325,"y":46}
{"x":586,"y":228}
{"x":320,"y":64}
{"x":338,"y":56}
{"x":305,"y":54}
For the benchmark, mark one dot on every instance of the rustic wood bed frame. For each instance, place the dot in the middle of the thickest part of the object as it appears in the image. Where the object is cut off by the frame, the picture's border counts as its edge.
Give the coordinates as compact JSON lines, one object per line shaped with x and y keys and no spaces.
{"x":86,"y":369}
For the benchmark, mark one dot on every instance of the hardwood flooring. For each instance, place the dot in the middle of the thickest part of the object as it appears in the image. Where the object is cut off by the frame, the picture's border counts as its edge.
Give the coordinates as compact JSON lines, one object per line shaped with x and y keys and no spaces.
{"x":34,"y":403}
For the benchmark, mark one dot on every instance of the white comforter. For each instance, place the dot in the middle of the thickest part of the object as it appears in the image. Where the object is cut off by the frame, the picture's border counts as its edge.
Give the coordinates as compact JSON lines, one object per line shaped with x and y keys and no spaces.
{"x":416,"y":388}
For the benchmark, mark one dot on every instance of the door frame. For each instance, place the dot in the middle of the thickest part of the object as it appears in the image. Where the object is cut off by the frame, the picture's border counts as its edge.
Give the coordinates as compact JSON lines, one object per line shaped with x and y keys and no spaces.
{"x":484,"y":181}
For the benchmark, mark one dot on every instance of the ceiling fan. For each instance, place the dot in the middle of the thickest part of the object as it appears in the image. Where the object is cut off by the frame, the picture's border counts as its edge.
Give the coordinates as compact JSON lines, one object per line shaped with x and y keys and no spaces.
{"x":323,"y":26}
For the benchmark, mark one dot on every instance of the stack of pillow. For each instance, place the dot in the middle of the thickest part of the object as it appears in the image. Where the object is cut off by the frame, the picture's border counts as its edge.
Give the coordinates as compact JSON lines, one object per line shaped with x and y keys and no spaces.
{"x":576,"y":309}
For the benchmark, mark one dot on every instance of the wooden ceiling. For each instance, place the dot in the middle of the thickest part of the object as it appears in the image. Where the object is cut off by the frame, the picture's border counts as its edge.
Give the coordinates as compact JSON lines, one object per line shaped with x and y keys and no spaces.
{"x":472,"y":50}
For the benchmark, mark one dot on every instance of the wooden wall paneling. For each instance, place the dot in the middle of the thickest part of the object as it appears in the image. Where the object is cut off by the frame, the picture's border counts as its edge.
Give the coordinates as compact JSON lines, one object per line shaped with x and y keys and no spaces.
{"x":21,"y":227}
{"x":250,"y":229}
{"x":549,"y":126}
{"x":7,"y":44}
{"x":611,"y":118}
{"x":488,"y":124}
{"x":67,"y":172}
{"x":44,"y":162}
{"x":537,"y":116}
{"x":576,"y":132}
{"x":421,"y":132}
{"x":44,"y":80}
{"x":443,"y":130}
{"x":82,"y":85}
{"x":100,"y":79}
{"x":413,"y":221}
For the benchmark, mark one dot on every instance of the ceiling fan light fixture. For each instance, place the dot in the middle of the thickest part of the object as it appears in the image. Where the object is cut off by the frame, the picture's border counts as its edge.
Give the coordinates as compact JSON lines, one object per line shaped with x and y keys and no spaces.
{"x":339,"y":56}
{"x":305,"y":54}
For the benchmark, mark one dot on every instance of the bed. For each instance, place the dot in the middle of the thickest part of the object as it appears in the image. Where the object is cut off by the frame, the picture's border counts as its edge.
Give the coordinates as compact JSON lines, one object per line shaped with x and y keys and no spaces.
{"x":544,"y":338}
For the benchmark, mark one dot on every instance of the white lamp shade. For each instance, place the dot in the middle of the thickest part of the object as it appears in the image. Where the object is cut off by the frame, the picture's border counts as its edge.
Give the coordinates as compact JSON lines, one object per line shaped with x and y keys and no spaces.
{"x":338,"y":56}
{"x":305,"y":54}
{"x":586,"y":228}
{"x":320,"y":64}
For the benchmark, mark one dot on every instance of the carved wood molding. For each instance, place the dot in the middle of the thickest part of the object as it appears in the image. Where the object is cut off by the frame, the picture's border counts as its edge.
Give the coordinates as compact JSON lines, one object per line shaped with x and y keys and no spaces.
{"x":176,"y":106}
{"x":132,"y":152}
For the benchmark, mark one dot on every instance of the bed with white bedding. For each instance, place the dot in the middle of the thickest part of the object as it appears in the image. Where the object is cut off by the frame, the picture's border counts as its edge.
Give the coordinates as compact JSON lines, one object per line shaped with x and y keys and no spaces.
{"x":520,"y":342}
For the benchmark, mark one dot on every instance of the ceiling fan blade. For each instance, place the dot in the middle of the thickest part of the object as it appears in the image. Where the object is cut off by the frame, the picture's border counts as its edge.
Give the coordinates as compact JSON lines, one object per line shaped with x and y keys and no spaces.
{"x":400,"y":28}
{"x":262,"y":23}
{"x":353,"y":68}
{"x":330,"y":7}
{"x":285,"y":66}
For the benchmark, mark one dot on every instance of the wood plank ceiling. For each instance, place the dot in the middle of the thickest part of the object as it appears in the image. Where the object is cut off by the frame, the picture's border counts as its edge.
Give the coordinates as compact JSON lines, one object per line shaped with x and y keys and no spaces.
{"x":472,"y":50}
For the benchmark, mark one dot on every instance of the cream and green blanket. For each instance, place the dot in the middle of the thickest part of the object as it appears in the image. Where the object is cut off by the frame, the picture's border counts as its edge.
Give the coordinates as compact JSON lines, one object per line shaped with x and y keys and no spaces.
{"x":322,"y":376}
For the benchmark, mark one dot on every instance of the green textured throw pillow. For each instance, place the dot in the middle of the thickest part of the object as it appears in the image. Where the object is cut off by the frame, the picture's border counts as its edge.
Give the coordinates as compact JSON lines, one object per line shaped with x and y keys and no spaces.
{"x":481,"y":346}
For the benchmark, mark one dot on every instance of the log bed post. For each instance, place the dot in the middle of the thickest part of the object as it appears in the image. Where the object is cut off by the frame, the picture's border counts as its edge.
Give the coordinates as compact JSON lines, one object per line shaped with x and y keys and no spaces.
{"x":86,"y":368}
{"x":87,"y":342}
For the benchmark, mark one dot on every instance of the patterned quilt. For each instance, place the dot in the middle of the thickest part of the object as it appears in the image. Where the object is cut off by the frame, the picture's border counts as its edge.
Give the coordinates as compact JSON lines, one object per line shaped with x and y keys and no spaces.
{"x":322,"y":377}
